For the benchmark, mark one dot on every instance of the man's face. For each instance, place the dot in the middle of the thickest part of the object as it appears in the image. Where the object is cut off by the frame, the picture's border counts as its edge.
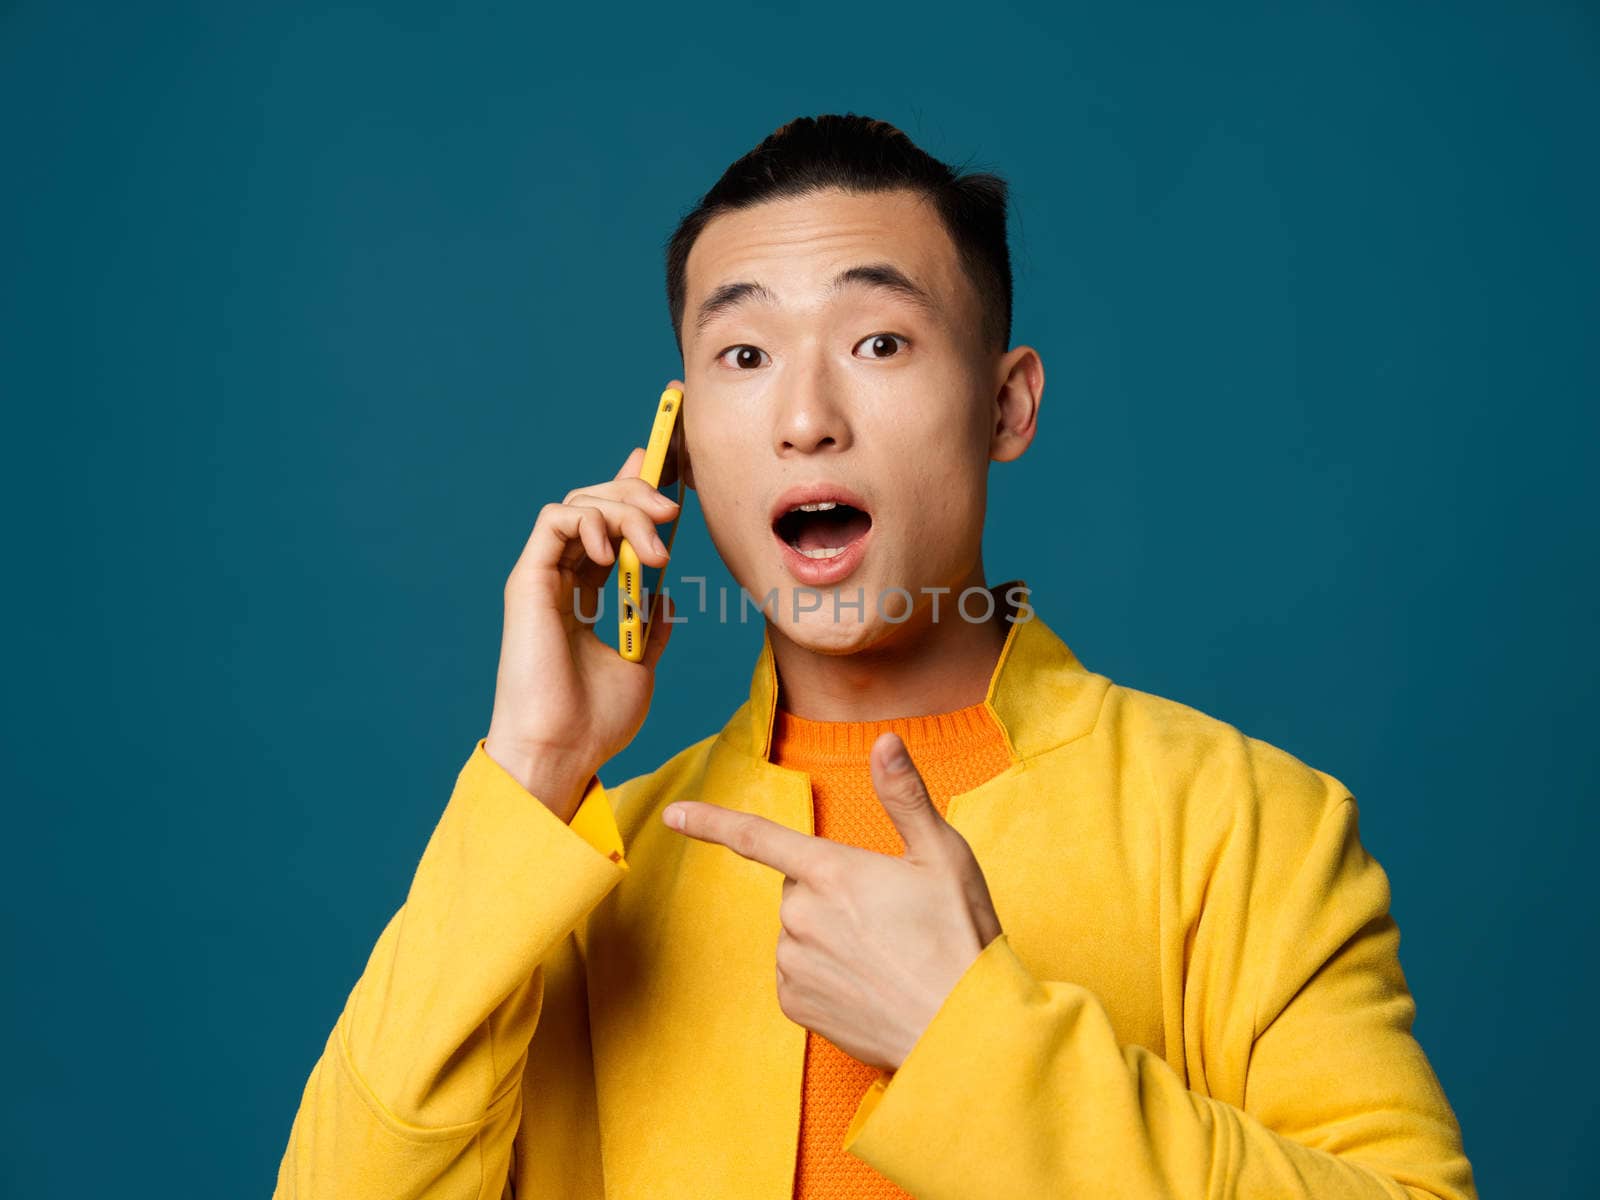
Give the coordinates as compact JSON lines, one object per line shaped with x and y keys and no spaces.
{"x":808,"y":390}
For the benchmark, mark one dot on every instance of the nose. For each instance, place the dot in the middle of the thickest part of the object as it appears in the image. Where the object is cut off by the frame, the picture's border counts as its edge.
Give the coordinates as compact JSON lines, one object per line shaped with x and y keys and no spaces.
{"x":809,"y":417}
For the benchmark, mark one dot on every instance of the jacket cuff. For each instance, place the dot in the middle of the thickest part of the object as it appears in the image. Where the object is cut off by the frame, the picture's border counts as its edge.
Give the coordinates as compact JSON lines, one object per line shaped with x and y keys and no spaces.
{"x":929,"y":1098}
{"x":594,"y":822}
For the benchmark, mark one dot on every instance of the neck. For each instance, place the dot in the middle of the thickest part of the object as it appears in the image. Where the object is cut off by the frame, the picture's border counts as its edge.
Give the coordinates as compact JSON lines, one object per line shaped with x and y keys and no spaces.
{"x":926,"y":666}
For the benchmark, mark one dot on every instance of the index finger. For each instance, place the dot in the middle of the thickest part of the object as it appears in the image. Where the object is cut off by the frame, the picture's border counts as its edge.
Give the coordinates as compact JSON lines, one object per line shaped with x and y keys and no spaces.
{"x":746,"y":834}
{"x":631,"y":464}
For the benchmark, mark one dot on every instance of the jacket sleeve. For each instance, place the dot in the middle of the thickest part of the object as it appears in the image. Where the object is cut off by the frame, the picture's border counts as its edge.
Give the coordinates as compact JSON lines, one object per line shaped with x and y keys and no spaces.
{"x":1339,"y":1099}
{"x":418,"y":1090}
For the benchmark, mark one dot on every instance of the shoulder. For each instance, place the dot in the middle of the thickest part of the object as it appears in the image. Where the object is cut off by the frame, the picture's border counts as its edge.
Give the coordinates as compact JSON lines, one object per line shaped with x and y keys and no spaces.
{"x":1259,"y":846}
{"x":1215,"y":777}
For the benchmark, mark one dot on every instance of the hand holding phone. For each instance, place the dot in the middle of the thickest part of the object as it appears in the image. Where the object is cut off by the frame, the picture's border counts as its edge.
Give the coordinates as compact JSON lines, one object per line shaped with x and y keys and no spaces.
{"x":565,"y":700}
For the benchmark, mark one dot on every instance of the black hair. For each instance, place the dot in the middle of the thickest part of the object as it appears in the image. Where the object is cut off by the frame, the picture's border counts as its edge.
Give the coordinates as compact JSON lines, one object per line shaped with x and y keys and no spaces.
{"x":859,"y":154}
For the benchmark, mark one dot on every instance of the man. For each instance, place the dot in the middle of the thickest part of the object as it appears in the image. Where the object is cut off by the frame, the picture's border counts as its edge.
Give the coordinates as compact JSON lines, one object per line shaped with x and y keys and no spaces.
{"x":939,"y":912}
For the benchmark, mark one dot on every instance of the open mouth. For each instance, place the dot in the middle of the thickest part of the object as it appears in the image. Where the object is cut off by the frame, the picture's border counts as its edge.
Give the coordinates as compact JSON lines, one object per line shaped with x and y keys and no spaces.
{"x":822,"y":529}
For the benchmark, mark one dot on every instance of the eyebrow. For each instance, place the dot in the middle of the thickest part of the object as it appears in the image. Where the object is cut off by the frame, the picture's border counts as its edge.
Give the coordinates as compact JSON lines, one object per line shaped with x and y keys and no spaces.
{"x":881,"y":276}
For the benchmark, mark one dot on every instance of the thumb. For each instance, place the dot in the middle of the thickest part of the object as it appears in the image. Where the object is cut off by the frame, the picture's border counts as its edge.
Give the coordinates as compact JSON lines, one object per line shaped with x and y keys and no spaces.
{"x":905,"y":797}
{"x":661,"y":606}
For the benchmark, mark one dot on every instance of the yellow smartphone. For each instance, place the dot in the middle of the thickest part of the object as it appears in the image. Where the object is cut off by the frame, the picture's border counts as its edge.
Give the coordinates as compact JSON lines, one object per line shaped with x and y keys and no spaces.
{"x":637,"y":584}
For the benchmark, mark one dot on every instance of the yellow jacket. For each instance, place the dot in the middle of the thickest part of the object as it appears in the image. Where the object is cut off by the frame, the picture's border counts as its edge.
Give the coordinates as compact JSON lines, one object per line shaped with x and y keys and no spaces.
{"x":1197,"y":993}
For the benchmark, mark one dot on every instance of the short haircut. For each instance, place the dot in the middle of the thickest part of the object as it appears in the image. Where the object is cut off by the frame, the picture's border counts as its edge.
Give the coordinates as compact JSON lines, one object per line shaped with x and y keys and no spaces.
{"x":859,"y":154}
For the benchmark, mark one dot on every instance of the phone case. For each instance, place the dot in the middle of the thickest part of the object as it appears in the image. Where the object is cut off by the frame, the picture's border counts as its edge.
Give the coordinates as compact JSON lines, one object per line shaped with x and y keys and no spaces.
{"x":633,"y":625}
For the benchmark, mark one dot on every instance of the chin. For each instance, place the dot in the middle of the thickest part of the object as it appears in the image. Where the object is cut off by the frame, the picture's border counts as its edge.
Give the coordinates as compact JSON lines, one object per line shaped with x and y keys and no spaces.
{"x":821,"y":634}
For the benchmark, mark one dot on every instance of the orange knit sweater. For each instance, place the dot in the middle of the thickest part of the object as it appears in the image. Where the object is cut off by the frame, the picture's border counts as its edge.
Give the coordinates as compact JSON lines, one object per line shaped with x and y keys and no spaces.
{"x":954,"y":752}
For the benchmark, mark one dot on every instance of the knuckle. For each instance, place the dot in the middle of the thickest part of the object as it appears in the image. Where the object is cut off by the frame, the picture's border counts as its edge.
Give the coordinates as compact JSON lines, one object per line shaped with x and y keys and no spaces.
{"x":746,"y":839}
{"x":785,"y":956}
{"x":793,"y":920}
{"x":828,"y":876}
{"x":911,"y":793}
{"x":588,"y":491}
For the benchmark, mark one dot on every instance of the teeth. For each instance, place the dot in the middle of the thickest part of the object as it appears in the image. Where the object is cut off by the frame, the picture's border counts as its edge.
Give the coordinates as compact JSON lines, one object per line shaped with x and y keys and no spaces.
{"x":819,"y":506}
{"x":828,"y":552}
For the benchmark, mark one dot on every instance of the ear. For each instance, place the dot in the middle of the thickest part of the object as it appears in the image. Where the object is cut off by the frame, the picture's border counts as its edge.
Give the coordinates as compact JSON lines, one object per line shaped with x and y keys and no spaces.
{"x":688,"y":462}
{"x":1020,"y":387}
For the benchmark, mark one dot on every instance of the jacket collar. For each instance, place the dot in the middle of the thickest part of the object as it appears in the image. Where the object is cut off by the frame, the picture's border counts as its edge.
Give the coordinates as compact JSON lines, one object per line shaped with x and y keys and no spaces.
{"x":1039,"y":693}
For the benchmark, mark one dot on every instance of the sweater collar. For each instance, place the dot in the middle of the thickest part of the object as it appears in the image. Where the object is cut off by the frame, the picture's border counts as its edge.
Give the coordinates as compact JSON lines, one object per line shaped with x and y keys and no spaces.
{"x":1040,"y":695}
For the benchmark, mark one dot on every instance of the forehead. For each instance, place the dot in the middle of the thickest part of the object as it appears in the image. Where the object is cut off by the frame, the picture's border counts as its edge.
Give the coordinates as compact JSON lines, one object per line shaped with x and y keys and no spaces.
{"x":796,"y":245}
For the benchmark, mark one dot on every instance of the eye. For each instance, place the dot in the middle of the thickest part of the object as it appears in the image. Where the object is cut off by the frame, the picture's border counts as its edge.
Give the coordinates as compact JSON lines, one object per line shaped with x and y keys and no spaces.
{"x":882,"y":341}
{"x":747,"y":358}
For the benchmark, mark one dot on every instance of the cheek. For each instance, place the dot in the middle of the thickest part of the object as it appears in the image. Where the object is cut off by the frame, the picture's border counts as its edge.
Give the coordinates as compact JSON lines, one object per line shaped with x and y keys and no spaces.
{"x":939,"y":417}
{"x":727,"y":492}
{"x":940,"y":517}
{"x":942,"y":460}
{"x":951,"y":516}
{"x":721,"y":458}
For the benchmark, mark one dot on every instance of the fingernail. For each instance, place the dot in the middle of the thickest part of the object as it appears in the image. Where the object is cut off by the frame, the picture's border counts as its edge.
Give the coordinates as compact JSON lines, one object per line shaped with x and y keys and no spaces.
{"x":899,"y":760}
{"x":673,"y":816}
{"x":660,"y":545}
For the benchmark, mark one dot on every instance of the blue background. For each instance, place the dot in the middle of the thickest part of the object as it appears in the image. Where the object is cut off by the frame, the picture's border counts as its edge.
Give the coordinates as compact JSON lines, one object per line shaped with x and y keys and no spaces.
{"x":307,"y":310}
